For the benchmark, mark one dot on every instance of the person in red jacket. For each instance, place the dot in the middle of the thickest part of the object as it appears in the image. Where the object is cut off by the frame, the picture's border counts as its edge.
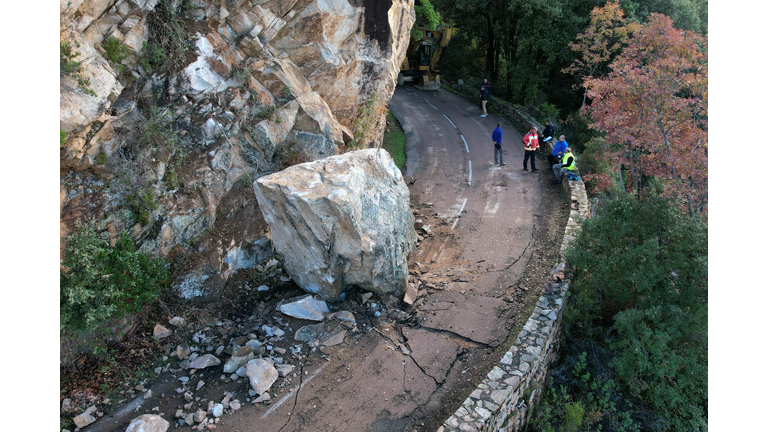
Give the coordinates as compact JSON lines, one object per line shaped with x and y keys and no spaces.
{"x":531,"y":142}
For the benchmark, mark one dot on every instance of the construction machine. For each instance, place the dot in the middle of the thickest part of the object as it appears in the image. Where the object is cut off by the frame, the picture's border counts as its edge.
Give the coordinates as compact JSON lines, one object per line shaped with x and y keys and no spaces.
{"x":424,"y":50}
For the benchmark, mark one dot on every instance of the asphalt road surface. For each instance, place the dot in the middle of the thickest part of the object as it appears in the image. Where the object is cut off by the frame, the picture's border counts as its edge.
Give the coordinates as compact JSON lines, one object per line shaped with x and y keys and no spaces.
{"x":407,"y":375}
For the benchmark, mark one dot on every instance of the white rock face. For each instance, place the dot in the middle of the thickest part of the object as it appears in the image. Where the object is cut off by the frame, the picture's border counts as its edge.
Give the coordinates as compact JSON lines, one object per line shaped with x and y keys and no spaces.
{"x":148,"y":423}
{"x":341,"y":220}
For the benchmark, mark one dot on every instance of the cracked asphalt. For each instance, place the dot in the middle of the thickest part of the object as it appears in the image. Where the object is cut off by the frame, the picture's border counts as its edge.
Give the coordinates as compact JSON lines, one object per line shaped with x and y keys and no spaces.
{"x":494,"y":237}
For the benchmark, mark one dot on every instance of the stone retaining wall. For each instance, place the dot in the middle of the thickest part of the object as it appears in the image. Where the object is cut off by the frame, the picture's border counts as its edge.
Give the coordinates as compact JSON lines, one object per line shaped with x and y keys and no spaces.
{"x":504,"y":400}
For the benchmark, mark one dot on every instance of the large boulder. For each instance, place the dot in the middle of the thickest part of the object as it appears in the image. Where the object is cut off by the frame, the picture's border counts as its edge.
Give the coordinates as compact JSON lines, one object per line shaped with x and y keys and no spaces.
{"x":343,"y":220}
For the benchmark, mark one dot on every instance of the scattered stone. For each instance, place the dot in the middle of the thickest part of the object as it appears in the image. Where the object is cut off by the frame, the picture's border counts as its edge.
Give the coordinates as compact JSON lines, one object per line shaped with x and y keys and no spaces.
{"x":308,"y":333}
{"x":284,"y":370}
{"x":84,"y":420}
{"x":263,"y":398}
{"x":404,"y":349}
{"x":237,"y":361}
{"x":178,"y":322}
{"x":410,"y":294}
{"x":189,"y":419}
{"x":184,"y":379}
{"x":182,"y":350}
{"x":199,"y":416}
{"x":148,"y":423}
{"x":261,"y":375}
{"x":427,"y":229}
{"x":345,"y":316}
{"x":234,"y":405}
{"x":148,"y":394}
{"x":161,"y":332}
{"x":253,"y":343}
{"x":262,"y":288}
{"x":366,"y":296}
{"x":66,"y":405}
{"x":204,"y":361}
{"x":218,"y":410}
{"x":200,"y":385}
{"x":417,"y":224}
{"x":335,"y":339}
{"x":306,"y":307}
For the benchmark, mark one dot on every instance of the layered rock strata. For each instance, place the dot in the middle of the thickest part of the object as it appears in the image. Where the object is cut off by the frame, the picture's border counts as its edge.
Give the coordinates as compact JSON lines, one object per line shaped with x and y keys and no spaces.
{"x":187,"y":102}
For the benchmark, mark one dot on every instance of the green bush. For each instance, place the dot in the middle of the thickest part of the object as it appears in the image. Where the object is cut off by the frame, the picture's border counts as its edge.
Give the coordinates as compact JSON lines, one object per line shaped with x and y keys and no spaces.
{"x":641,"y":290}
{"x":115,"y":50}
{"x":99,"y":282}
{"x":62,"y":138}
{"x":142,"y":203}
{"x":153,"y":58}
{"x":394,"y":141}
{"x":68,"y":66}
{"x":637,"y":254}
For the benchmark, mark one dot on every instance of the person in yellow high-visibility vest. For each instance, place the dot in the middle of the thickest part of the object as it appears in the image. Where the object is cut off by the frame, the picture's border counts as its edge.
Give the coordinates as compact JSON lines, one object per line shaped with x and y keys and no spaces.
{"x":568,"y":163}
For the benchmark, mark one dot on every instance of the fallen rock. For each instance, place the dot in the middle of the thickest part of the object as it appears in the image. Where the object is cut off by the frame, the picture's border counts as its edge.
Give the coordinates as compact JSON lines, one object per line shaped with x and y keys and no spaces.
{"x":284,"y":370}
{"x":161,"y":332}
{"x":182,"y":350}
{"x":365,"y":297}
{"x":236,"y":362}
{"x":308,"y":333}
{"x":261,"y":375}
{"x":306,"y":307}
{"x":203,"y":362}
{"x":178,"y":322}
{"x":335,"y":339}
{"x":263,"y":398}
{"x":148,"y":423}
{"x":410,"y":294}
{"x":341,"y":220}
{"x":218,"y":410}
{"x":83,"y":420}
{"x":199,"y":416}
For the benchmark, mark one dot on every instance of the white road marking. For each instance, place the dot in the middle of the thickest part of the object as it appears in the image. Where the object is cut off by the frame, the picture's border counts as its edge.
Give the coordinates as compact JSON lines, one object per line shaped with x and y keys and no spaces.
{"x":465,"y":143}
{"x":450,"y":121}
{"x":469,"y":181}
{"x":305,"y":382}
{"x":459,"y":215}
{"x":432,"y":105}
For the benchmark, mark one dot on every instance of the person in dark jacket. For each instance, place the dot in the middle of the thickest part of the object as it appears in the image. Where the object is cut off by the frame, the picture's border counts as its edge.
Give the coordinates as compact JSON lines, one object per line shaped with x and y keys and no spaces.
{"x":485,"y":94}
{"x":498,"y":150}
{"x":548,"y":134}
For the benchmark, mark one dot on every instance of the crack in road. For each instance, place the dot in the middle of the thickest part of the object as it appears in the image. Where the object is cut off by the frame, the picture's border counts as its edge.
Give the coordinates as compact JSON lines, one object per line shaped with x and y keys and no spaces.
{"x":522,"y":254}
{"x":296,"y":399}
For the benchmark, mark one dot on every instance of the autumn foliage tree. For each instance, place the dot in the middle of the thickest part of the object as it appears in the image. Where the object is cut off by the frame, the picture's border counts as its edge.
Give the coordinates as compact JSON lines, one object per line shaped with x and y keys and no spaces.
{"x":652,"y":109}
{"x":605,"y":37}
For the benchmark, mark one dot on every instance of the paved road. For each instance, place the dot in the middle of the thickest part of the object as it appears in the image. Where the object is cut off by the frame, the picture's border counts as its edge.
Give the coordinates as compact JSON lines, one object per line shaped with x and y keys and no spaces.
{"x":412,"y":377}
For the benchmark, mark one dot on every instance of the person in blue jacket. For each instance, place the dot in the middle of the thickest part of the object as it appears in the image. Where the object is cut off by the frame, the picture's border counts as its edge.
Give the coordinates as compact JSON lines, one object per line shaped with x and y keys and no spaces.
{"x":557,"y":151}
{"x":498,"y":150}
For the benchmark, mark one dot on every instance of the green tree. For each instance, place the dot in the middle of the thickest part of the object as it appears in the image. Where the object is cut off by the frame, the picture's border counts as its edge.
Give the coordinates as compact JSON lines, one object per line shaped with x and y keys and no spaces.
{"x":99,"y":282}
{"x":641,"y":289}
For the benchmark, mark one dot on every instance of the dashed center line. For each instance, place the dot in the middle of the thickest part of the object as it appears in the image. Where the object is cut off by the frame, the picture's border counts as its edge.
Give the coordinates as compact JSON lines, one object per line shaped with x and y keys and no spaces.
{"x":459,"y":215}
{"x":446,"y":117}
{"x":465,"y":143}
{"x":427,"y":102}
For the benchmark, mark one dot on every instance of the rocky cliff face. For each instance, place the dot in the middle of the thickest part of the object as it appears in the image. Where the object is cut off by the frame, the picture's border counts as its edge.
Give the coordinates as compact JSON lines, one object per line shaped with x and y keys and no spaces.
{"x":177,"y":106}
